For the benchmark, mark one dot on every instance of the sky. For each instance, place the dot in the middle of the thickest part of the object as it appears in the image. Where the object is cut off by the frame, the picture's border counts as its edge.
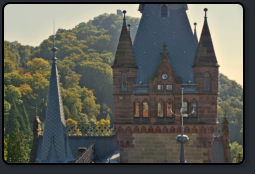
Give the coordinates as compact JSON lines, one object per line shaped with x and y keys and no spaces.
{"x":30,"y":24}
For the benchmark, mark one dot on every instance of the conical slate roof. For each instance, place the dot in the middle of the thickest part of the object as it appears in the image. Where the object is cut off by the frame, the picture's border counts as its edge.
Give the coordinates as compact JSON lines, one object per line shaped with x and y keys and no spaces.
{"x":205,"y":55}
{"x":55,"y":141}
{"x":175,"y":31}
{"x":124,"y":55}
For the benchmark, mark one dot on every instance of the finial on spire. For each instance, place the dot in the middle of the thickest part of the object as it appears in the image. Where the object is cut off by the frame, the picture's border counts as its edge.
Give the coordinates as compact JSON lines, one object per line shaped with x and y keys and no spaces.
{"x":205,"y":9}
{"x":124,"y":11}
{"x":164,"y":46}
{"x":124,"y":20}
{"x":129,"y":25}
{"x":54,"y":49}
{"x":195,"y":25}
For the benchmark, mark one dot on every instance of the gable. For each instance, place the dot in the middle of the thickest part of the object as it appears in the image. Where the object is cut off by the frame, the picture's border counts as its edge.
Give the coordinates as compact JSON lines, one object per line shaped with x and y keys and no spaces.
{"x":164,"y":67}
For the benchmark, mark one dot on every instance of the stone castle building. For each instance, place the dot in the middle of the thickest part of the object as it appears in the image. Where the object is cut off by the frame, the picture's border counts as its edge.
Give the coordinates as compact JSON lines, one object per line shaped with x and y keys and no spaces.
{"x":148,"y":76}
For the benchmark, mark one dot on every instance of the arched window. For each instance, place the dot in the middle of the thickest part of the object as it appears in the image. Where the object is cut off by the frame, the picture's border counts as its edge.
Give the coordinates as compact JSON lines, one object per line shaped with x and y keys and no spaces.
{"x":172,"y":130}
{"x":179,"y":129}
{"x":145,"y":109}
{"x":185,"y":106}
{"x":150,"y":130}
{"x":207,"y":82}
{"x":124,"y":82}
{"x":137,"y":109}
{"x":165,"y":130}
{"x":143,"y":130}
{"x":209,"y":144}
{"x":157,"y":130}
{"x":160,"y":109}
{"x":164,"y":10}
{"x":136,"y":130}
{"x":193,"y":107}
{"x":169,"y":108}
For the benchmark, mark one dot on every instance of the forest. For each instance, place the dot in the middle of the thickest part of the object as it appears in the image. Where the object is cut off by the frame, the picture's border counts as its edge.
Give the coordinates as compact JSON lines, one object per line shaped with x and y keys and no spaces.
{"x":85,"y":55}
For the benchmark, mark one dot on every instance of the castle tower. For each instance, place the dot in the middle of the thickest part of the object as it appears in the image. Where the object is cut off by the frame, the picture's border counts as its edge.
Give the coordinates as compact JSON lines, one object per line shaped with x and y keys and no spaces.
{"x":143,"y":112}
{"x":55,"y":146}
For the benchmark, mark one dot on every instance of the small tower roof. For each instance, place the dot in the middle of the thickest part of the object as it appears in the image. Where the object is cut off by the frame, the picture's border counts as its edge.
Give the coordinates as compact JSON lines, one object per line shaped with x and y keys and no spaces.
{"x":54,"y":145}
{"x":195,"y":32}
{"x":124,"y":55}
{"x":205,"y":55}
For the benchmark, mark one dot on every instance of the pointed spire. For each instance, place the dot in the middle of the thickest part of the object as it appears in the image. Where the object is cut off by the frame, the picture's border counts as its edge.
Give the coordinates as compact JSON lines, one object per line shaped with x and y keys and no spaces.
{"x":124,"y":55}
{"x":195,"y":32}
{"x":205,"y":55}
{"x":54,"y":143}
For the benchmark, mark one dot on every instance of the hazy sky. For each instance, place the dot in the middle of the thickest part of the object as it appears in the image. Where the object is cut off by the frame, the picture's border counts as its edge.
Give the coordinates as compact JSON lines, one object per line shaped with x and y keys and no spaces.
{"x":30,"y":24}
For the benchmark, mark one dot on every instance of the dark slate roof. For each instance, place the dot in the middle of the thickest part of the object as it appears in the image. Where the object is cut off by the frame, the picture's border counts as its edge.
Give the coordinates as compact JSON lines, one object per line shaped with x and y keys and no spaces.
{"x":104,"y":145}
{"x":175,"y":31}
{"x":124,"y":56}
{"x":55,"y":130}
{"x":217,"y":151}
{"x":205,"y":55}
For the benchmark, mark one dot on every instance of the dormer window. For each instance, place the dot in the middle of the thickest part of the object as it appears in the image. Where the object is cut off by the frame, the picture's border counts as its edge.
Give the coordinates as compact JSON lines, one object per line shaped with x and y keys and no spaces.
{"x":160,"y":88}
{"x":164,"y":10}
{"x":169,"y":88}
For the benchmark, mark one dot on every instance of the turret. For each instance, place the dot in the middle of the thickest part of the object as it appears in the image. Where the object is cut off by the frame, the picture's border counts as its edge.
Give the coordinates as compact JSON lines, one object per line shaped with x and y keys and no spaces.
{"x":206,"y":67}
{"x":124,"y":66}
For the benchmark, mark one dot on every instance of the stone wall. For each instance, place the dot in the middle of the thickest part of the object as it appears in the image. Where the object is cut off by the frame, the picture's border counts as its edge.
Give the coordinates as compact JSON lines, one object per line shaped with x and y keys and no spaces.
{"x":158,"y":147}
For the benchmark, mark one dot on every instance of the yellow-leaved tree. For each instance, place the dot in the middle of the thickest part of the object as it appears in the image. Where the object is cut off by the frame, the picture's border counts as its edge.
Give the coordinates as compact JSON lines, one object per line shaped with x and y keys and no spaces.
{"x":103,"y":127}
{"x":72,"y":127}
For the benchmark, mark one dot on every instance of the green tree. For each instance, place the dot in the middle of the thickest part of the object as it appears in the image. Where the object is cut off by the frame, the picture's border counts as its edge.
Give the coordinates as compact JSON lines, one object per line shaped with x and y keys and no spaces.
{"x":17,"y":147}
{"x":72,"y":127}
{"x":235,"y":148}
{"x":8,"y":66}
{"x":13,"y":115}
{"x":72,"y":80}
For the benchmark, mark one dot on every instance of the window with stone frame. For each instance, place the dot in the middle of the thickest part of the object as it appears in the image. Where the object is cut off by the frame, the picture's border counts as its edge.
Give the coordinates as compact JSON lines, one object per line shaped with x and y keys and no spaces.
{"x":164,"y":10}
{"x":124,"y":82}
{"x":169,"y":108}
{"x":193,"y":106}
{"x":207,"y":82}
{"x":160,"y":109}
{"x":185,"y":107}
{"x":145,"y":109}
{"x":169,"y":88}
{"x":137,"y":109}
{"x":160,"y":88}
